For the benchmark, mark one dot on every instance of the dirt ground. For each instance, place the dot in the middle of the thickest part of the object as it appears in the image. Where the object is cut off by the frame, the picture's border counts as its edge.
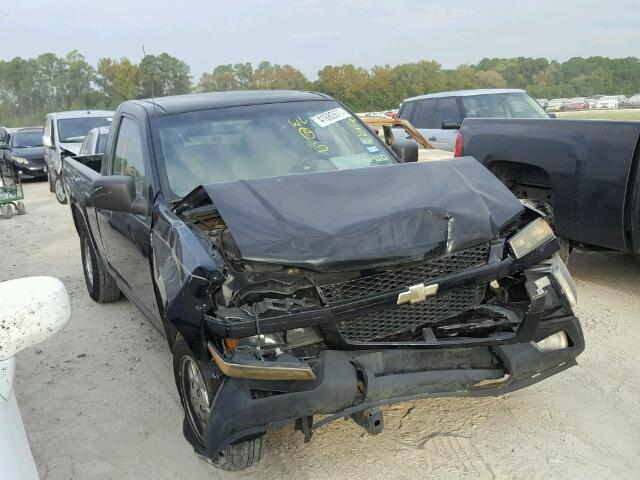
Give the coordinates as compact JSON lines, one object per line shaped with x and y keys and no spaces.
{"x":99,"y":402}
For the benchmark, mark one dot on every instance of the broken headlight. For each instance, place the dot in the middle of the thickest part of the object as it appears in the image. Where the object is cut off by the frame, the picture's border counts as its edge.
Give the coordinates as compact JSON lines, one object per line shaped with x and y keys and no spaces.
{"x":564,"y":280}
{"x":531,"y":237}
{"x":289,"y":340}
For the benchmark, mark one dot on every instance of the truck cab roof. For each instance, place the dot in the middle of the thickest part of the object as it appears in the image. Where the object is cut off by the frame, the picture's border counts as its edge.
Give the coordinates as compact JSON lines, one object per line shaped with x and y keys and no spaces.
{"x":80,"y":114}
{"x":466,"y":93}
{"x":206,"y":101}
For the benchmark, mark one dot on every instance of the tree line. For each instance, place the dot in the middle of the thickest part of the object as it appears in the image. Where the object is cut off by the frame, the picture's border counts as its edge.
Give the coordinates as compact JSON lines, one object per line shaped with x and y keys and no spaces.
{"x":32,"y":87}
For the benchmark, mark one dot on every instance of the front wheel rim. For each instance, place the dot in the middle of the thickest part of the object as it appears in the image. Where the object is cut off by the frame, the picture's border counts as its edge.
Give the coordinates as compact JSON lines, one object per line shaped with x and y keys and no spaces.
{"x":60,"y":190}
{"x":88,"y":266}
{"x":195,"y":395}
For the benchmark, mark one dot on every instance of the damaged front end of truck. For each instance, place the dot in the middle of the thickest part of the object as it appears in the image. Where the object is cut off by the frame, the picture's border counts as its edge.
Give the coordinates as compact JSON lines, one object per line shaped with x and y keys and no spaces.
{"x":333,"y":293}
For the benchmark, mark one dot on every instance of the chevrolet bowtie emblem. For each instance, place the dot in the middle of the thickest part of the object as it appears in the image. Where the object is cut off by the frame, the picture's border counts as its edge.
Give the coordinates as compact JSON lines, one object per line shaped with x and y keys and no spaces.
{"x":417,"y":293}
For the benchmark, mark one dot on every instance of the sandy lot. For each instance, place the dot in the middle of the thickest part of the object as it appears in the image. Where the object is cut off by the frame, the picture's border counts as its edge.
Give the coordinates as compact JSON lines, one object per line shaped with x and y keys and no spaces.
{"x":99,"y":401}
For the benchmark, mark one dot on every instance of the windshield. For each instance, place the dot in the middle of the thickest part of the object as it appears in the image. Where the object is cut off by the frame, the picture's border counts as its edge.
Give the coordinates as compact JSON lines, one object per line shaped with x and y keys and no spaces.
{"x":237,"y":143}
{"x":75,"y":129}
{"x":32,"y":138}
{"x":502,"y":105}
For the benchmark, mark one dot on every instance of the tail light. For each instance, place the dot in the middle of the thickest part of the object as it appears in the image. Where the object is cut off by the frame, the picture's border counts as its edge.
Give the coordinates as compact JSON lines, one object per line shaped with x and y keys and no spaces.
{"x":457,"y":151}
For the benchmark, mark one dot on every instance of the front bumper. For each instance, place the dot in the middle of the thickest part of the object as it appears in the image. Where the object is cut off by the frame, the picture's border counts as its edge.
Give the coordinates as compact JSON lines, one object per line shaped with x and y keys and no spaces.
{"x":30,"y":172}
{"x":348,"y":382}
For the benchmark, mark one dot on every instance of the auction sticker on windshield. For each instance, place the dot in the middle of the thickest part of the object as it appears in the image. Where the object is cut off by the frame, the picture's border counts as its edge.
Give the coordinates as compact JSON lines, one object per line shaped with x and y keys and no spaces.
{"x":329,"y":117}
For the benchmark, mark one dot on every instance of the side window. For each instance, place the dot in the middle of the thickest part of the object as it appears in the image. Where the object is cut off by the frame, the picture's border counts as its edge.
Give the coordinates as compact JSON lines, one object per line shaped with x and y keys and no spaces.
{"x":423,"y":113}
{"x":448,"y":110}
{"x":129,"y":157}
{"x":406,"y":111}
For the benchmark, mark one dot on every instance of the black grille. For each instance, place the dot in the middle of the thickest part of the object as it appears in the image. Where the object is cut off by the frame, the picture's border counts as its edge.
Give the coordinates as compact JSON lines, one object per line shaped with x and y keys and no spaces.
{"x":402,"y":318}
{"x":405,"y":276}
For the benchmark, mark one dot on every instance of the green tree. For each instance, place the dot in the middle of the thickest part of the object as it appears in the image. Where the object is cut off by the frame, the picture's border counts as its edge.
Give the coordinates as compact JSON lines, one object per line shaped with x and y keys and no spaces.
{"x":490,"y":79}
{"x":222,"y":78}
{"x":345,"y":82}
{"x":119,"y":80}
{"x":163,"y":75}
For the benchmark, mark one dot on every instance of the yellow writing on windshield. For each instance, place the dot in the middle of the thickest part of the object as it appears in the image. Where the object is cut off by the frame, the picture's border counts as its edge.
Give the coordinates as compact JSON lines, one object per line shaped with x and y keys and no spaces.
{"x":305,"y":132}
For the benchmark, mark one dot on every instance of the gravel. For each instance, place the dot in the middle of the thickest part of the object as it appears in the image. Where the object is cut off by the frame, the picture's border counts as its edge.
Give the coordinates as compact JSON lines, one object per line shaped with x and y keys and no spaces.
{"x":99,"y":401}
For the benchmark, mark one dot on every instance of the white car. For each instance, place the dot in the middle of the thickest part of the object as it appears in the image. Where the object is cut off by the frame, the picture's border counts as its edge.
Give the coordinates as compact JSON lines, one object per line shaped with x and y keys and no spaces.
{"x":438,"y":116}
{"x":607,"y":102}
{"x":26,"y":320}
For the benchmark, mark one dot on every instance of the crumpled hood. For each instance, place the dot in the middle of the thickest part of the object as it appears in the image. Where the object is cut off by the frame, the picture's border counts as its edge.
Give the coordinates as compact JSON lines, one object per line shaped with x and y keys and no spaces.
{"x":73,"y":147}
{"x":376,"y":214}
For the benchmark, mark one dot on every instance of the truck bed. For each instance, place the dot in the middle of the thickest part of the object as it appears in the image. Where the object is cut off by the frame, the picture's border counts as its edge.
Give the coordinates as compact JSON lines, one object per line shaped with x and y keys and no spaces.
{"x":79,"y":173}
{"x":589,"y":169}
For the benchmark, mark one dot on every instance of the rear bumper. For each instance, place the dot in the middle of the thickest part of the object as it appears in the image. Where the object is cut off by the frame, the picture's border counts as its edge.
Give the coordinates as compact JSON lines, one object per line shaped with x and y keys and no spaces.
{"x":348,"y":382}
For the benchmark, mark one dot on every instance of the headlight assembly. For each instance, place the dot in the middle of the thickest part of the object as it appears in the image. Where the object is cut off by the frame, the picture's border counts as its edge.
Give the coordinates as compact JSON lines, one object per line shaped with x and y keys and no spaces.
{"x":564,"y":280}
{"x":20,"y":160}
{"x":531,"y":237}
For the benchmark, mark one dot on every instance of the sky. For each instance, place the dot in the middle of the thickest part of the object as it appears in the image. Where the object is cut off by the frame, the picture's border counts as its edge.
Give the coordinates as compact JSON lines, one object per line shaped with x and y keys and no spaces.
{"x":309,"y":34}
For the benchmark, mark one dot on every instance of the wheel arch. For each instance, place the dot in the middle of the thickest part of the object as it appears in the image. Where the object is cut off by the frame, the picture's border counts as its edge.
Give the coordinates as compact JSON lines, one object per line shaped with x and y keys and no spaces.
{"x":524,"y":180}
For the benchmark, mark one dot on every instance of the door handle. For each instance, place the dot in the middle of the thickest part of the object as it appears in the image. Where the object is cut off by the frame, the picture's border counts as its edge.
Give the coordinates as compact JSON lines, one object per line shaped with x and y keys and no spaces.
{"x":432,"y":139}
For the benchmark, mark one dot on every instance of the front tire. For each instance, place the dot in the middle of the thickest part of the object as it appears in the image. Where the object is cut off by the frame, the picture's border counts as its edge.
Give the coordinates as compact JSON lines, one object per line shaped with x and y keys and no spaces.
{"x":197,"y":391}
{"x":100,"y":284}
{"x":58,"y":187}
{"x":20,"y":208}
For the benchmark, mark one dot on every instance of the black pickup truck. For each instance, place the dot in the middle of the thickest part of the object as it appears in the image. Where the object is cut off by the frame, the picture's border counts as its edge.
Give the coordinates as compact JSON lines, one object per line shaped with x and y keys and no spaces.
{"x":584,"y":175}
{"x":299,"y":266}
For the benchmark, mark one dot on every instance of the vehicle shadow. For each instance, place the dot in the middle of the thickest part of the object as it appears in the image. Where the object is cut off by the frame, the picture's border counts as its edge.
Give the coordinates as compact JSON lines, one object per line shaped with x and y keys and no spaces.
{"x":608,"y":269}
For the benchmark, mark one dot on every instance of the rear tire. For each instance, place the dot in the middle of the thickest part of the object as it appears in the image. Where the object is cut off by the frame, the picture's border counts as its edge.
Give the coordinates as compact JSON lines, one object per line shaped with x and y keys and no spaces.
{"x":100,"y":284}
{"x":58,"y":187}
{"x":21,"y":208}
{"x":196,"y":394}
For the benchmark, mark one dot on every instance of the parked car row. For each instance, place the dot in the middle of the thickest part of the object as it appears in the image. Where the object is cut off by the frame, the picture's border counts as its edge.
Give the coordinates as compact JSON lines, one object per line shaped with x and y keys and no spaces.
{"x":595,"y":102}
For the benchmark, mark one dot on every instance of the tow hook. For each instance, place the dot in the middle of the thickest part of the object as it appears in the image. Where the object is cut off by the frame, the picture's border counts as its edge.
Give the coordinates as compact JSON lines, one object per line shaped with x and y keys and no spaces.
{"x":371,"y":419}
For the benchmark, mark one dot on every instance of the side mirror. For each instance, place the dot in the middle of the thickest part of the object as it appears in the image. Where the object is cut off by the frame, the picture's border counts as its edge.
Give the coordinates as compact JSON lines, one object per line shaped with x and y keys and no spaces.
{"x":450,"y":125}
{"x":116,"y":193}
{"x":406,"y":150}
{"x":552,"y":115}
{"x":46,"y":141}
{"x":31,"y":310}
{"x":4,"y":146}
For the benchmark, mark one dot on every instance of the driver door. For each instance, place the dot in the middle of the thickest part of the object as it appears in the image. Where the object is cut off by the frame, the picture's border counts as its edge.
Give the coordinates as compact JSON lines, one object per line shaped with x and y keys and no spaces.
{"x":126,"y":236}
